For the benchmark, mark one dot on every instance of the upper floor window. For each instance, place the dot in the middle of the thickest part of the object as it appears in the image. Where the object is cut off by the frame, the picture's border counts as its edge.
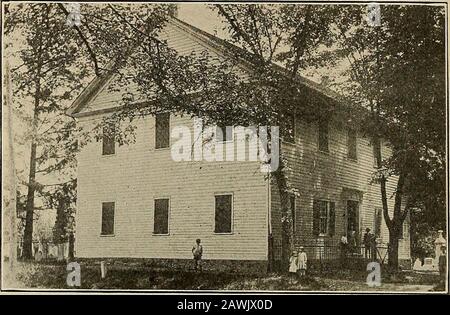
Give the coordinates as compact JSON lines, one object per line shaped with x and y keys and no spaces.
{"x":224,"y":133}
{"x":323,"y":135}
{"x":162,"y":132}
{"x":223,"y":213}
{"x":108,"y":139}
{"x":352,"y":144}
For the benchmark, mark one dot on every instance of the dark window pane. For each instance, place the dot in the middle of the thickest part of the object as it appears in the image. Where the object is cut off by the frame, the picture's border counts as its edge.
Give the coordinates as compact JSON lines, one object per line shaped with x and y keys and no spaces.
{"x":323,"y":210}
{"x":162,"y":133}
{"x":323,"y":136}
{"x":161,"y":220}
{"x":223,"y":214}
{"x":107,"y":218}
{"x":224,"y":133}
{"x":109,"y":143}
{"x":351,"y":144}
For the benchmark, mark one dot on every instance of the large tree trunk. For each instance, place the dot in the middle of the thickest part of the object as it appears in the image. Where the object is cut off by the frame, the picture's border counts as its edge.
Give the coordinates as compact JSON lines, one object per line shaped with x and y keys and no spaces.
{"x":287,"y":229}
{"x":393,"y":251}
{"x":29,"y":209}
{"x":394,"y":224}
{"x":28,"y":231}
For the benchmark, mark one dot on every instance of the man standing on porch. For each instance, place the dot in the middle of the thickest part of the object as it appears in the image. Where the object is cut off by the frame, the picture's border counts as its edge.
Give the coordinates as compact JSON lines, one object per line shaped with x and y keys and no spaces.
{"x":367,"y":239}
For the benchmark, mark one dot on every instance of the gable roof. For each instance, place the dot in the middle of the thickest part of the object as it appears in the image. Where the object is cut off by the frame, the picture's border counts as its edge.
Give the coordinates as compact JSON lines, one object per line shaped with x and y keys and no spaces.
{"x":209,"y":41}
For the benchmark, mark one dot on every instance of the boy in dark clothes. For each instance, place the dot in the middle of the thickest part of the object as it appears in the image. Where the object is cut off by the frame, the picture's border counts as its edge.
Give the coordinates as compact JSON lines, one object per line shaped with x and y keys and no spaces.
{"x":197,"y":251}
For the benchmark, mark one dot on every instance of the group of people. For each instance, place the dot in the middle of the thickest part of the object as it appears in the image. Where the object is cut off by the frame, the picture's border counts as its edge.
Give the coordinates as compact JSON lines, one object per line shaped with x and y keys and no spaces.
{"x":297,"y":262}
{"x":349,"y":245}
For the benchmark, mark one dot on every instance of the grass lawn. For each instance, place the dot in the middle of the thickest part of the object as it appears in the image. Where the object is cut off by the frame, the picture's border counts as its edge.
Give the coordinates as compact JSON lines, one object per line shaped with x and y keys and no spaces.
{"x":53,"y":276}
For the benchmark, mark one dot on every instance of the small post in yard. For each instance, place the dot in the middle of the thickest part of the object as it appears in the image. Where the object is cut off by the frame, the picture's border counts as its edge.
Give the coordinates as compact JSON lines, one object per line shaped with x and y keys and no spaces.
{"x":103,"y":269}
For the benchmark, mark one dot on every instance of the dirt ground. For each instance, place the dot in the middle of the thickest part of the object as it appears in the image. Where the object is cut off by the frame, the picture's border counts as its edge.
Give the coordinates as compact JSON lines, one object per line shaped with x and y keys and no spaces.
{"x":53,"y":276}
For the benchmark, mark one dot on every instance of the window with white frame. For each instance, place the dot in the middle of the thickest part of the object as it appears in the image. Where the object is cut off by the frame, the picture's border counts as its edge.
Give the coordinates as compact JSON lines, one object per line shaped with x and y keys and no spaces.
{"x":323,"y":218}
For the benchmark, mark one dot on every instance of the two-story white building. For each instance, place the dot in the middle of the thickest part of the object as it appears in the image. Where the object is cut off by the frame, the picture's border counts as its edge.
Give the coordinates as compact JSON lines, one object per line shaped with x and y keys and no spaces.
{"x":136,"y":202}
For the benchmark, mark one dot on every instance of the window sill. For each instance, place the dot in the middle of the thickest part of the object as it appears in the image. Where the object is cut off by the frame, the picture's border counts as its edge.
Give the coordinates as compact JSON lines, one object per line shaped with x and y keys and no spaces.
{"x":108,"y":155}
{"x":162,"y":149}
{"x":224,"y":233}
{"x":107,"y":235}
{"x":158,"y":234}
{"x":225,"y":141}
{"x":324,"y":152}
{"x":352,"y":160}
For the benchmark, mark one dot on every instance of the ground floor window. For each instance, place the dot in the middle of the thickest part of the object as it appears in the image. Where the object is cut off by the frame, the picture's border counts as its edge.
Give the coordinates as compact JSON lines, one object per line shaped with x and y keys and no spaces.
{"x":323,"y":217}
{"x":161,"y":216}
{"x":107,"y":218}
{"x":223,"y":213}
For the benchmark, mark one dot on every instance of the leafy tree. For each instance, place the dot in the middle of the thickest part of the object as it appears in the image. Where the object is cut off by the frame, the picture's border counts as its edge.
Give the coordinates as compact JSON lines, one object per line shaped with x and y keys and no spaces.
{"x":397,"y":71}
{"x":48,"y":76}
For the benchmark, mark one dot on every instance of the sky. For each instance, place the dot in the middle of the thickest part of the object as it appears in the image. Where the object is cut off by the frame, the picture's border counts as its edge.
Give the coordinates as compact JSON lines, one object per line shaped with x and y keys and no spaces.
{"x":200,"y":16}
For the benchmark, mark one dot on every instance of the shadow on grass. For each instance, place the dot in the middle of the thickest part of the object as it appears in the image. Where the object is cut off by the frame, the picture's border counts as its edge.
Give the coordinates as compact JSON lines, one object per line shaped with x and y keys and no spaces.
{"x":53,"y":276}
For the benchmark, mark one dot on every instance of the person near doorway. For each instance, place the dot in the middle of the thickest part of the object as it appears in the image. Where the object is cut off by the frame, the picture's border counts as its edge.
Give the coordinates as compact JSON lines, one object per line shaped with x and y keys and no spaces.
{"x":367,"y":240}
{"x":373,"y":247}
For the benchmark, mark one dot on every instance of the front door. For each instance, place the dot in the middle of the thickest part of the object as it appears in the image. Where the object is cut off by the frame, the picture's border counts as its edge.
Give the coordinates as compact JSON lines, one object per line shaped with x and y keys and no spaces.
{"x":353,"y":222}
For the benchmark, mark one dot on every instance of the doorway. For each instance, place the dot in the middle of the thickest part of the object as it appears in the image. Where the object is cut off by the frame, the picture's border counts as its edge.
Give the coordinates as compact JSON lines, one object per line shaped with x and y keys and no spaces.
{"x":353,"y":223}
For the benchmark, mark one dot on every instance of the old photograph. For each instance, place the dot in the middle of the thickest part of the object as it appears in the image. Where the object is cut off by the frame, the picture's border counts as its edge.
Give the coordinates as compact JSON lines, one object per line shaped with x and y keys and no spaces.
{"x":274,"y":147}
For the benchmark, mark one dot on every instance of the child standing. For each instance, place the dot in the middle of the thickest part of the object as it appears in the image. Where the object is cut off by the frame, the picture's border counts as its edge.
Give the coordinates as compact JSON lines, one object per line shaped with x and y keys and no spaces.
{"x":197,"y":251}
{"x":302,"y":259}
{"x":293,"y":263}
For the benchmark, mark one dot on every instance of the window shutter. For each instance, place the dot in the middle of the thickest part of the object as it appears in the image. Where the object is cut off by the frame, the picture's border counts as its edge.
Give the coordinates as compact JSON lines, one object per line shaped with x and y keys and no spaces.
{"x":316,"y":218}
{"x":332,"y":224}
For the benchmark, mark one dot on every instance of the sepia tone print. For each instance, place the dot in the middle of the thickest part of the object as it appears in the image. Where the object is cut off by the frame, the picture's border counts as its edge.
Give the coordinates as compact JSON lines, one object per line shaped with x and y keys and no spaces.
{"x":211,"y":146}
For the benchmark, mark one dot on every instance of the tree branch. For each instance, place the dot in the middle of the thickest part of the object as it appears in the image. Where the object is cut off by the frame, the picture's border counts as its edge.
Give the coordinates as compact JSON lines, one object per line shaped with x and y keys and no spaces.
{"x":85,"y":41}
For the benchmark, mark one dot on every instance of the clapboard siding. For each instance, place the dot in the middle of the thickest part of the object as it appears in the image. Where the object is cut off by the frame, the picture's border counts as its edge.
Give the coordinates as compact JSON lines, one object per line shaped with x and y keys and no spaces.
{"x":177,"y":37}
{"x":138,"y":173}
{"x":318,"y":175}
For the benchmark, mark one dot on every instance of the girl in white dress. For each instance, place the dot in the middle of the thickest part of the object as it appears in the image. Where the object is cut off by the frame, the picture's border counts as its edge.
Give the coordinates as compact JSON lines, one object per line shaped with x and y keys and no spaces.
{"x":293,"y":263}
